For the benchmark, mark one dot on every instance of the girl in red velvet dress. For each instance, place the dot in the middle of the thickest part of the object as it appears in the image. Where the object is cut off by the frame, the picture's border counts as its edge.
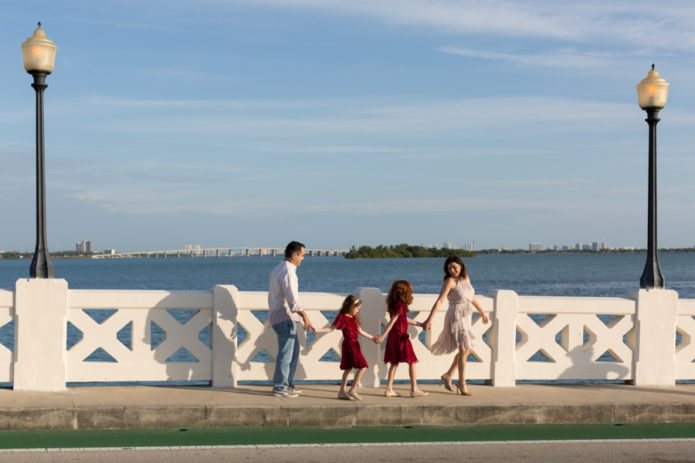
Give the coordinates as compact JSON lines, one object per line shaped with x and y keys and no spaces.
{"x":348,"y":321}
{"x":398,"y":346}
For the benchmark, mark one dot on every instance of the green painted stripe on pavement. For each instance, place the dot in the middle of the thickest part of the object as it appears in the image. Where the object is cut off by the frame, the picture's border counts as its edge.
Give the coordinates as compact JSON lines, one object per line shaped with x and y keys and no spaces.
{"x":313,"y":435}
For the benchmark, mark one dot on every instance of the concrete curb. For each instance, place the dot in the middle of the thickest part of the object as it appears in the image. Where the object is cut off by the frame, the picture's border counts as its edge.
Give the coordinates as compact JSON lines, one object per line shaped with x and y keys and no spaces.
{"x":137,"y":407}
{"x":129,"y":417}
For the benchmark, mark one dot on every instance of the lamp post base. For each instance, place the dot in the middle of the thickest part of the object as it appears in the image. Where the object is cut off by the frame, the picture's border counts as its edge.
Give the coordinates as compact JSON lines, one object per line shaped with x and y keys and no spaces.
{"x":651,"y":276}
{"x":41,"y":265}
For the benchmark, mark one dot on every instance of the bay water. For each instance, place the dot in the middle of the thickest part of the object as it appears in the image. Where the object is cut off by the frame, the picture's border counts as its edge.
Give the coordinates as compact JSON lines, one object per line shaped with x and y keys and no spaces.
{"x":571,"y":274}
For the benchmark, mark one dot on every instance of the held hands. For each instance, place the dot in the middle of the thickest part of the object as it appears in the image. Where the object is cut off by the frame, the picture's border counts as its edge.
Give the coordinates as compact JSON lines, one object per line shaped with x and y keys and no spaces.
{"x":378,"y":339}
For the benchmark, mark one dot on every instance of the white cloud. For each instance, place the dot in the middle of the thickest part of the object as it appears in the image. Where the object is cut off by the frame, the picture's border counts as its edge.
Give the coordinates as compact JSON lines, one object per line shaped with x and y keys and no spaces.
{"x":564,"y":58}
{"x":633,"y":23}
{"x":545,"y":182}
{"x":360,"y":118}
{"x":205,"y":105}
{"x":77,"y":174}
{"x":465,"y":17}
{"x":335,"y":149}
{"x":162,"y":204}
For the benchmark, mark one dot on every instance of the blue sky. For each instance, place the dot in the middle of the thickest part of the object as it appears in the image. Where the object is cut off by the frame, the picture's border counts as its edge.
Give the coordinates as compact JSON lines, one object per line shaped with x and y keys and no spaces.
{"x":336,"y":123}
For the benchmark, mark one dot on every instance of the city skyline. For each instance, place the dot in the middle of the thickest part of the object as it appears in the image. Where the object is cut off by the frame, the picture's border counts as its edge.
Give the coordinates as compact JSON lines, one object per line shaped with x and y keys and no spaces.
{"x":86,"y":247}
{"x":347,"y":123}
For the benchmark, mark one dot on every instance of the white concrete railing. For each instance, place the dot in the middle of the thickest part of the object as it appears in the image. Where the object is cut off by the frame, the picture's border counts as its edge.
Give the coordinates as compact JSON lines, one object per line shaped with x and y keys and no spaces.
{"x":6,"y":316}
{"x":685,"y":351}
{"x":573,"y":338}
{"x":136,"y":312}
{"x":630,"y":338}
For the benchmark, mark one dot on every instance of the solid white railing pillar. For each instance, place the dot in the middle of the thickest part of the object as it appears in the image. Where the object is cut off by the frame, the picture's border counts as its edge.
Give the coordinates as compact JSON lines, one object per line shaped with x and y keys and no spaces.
{"x":371,"y":316}
{"x":655,"y":324}
{"x":506,"y":308}
{"x":225,"y":367}
{"x":41,"y":308}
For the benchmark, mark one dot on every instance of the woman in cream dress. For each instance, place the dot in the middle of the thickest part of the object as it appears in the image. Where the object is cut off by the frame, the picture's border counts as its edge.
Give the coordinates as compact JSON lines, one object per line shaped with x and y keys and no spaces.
{"x":457,"y":335}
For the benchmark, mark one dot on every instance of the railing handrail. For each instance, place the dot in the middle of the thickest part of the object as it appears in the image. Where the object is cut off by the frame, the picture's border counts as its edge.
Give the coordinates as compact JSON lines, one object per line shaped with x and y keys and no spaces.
{"x":572,"y":337}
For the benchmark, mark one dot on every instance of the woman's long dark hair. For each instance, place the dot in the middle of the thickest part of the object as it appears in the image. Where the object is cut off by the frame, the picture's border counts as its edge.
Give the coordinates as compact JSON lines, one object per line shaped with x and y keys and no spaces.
{"x":457,"y":260}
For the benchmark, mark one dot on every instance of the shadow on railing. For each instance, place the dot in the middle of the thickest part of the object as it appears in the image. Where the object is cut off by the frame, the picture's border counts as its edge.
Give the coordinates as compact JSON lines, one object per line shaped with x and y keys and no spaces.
{"x":221,"y":336}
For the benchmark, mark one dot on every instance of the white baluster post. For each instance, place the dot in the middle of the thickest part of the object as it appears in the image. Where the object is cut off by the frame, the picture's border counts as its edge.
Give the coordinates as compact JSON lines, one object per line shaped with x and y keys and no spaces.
{"x":506,"y":305}
{"x":225,"y":367}
{"x":655,"y":324}
{"x":371,"y":317}
{"x":41,"y":309}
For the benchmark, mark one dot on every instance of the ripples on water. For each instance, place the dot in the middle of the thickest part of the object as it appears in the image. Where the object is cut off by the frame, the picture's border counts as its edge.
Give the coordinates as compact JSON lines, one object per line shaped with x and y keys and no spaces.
{"x":585,"y":274}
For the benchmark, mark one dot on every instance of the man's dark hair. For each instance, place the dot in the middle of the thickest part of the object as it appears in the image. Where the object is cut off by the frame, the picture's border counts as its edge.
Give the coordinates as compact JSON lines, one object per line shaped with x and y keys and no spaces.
{"x":294,"y":246}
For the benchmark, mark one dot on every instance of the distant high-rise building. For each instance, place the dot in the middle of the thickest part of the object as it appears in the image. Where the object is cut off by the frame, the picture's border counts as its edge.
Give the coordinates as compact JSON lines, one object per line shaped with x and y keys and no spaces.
{"x":598,"y":246}
{"x":84,"y":247}
{"x":535,"y":246}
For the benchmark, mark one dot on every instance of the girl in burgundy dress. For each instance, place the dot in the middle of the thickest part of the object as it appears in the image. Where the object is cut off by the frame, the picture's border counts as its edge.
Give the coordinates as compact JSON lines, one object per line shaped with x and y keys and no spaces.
{"x":398,"y":346}
{"x":348,"y":321}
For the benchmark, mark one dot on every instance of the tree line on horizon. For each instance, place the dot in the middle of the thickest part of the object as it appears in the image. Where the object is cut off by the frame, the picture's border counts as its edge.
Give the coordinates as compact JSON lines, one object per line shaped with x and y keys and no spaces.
{"x":56,"y":254}
{"x":408,"y":251}
{"x":404,"y":250}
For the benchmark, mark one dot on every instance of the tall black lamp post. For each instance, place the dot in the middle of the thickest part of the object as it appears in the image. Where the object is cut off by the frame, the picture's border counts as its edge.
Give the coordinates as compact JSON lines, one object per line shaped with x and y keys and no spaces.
{"x":652,"y":93}
{"x":39,"y":56}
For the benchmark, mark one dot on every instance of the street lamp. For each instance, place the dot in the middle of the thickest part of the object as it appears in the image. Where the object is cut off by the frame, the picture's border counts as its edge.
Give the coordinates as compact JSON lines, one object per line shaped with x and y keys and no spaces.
{"x":652,"y":93}
{"x":39,"y":56}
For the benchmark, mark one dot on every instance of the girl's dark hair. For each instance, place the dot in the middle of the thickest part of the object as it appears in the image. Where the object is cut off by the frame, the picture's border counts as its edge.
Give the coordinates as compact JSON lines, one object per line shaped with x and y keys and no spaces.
{"x":401,"y":291}
{"x":349,"y":303}
{"x":456,"y":260}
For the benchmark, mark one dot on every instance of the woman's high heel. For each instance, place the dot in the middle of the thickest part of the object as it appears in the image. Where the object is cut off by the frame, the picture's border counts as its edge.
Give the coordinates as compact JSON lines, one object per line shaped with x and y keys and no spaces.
{"x":459,"y":388}
{"x":445,"y":380}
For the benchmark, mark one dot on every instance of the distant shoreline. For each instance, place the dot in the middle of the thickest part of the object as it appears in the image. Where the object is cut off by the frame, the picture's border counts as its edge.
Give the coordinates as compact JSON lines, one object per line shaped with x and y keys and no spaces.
{"x":30,"y":255}
{"x":574,"y":251}
{"x":440,"y":252}
{"x":470,"y":254}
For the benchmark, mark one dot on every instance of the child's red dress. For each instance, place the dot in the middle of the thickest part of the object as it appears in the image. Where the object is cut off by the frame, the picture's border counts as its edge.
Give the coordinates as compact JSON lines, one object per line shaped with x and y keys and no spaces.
{"x":351,"y":352}
{"x":398,"y":346}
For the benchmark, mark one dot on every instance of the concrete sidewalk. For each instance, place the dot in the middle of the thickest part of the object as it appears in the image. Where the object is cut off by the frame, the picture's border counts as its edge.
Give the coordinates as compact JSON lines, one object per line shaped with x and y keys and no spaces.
{"x":123,"y":407}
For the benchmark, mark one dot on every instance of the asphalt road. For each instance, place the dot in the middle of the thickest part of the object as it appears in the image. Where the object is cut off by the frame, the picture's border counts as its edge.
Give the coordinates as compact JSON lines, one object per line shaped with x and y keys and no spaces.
{"x":632,"y":451}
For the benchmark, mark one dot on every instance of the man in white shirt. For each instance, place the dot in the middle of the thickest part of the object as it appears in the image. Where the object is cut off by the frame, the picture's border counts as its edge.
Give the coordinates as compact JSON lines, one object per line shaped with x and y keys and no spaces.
{"x":285,"y":311}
